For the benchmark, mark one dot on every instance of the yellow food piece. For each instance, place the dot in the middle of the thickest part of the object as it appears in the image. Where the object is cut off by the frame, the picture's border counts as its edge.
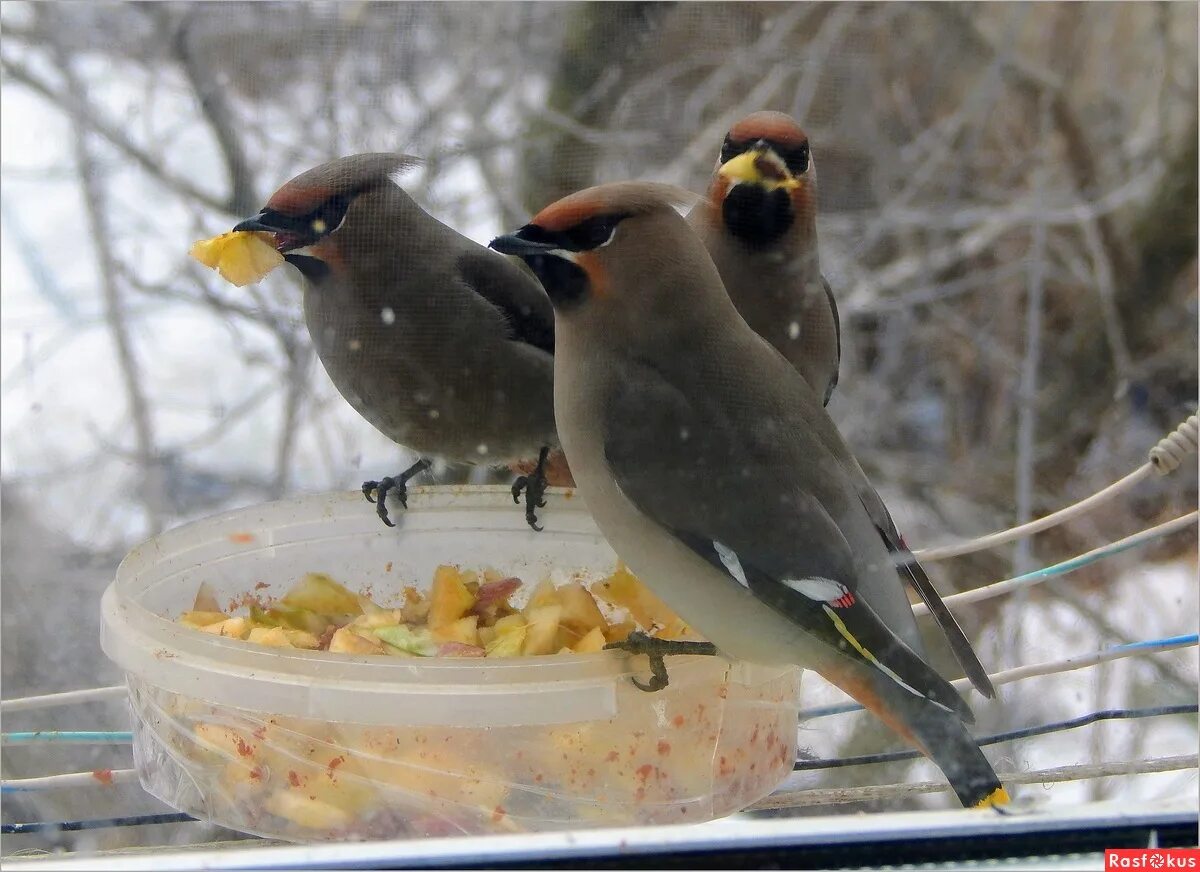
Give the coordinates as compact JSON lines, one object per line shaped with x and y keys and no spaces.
{"x":275,"y":637}
{"x":319,"y":593}
{"x":235,"y":628}
{"x":510,"y":637}
{"x":301,"y":639}
{"x":541,"y":630}
{"x":449,"y":598}
{"x":677,"y":630}
{"x":346,"y":641}
{"x":486,"y":635}
{"x":306,"y":811}
{"x":226,"y":741}
{"x":463,"y":630}
{"x":545,"y":594}
{"x":382,"y":618}
{"x":579,"y":610}
{"x":202,"y":618}
{"x":591,"y":643}
{"x":241,"y":257}
{"x":623,"y":590}
{"x":619,"y":632}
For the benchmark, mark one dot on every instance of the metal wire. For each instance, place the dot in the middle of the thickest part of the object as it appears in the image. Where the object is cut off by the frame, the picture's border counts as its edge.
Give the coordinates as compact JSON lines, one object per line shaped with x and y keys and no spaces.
{"x":138,"y":820}
{"x":997,"y":738}
{"x":50,"y":700}
{"x":1165,"y":457}
{"x":1000,"y":588}
{"x":1056,"y":775}
{"x":68,"y":737}
{"x":1035,"y":670}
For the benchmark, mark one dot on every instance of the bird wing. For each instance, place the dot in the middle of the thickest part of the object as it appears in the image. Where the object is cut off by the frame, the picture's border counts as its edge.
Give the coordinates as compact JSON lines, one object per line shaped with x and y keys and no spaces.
{"x":688,"y":468}
{"x":914,"y":573}
{"x":837,"y":335}
{"x":518,"y":296}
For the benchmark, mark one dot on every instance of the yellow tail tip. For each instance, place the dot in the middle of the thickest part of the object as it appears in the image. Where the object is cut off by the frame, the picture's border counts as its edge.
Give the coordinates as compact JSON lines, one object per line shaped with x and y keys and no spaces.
{"x":997,"y":797}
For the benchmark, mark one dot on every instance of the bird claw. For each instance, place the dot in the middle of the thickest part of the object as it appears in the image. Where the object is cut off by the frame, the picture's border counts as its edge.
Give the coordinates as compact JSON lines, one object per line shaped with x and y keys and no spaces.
{"x":656,"y":650}
{"x":397,"y":485}
{"x":534,"y":487}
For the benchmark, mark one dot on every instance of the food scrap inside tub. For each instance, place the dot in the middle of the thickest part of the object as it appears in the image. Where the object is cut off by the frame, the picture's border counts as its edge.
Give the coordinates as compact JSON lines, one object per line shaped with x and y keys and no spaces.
{"x":464,"y":614}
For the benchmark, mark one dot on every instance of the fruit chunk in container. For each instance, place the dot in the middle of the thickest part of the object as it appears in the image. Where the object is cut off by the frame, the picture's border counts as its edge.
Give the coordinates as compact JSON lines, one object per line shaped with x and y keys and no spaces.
{"x":299,"y":744}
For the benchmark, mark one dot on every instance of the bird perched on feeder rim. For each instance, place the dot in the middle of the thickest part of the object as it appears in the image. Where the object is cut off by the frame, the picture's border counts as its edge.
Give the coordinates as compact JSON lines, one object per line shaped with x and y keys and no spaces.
{"x":443,"y":346}
{"x":715,"y":473}
{"x":759,"y":225}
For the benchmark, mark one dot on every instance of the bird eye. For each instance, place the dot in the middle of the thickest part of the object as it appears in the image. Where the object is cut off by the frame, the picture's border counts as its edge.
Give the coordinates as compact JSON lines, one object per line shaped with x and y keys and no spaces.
{"x":329,"y":216}
{"x":730,"y":150}
{"x":797,"y":159}
{"x":594,"y":233}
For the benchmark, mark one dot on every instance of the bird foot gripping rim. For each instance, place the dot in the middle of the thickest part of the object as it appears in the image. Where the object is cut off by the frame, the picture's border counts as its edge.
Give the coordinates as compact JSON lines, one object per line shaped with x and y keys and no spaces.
{"x":1174,"y":448}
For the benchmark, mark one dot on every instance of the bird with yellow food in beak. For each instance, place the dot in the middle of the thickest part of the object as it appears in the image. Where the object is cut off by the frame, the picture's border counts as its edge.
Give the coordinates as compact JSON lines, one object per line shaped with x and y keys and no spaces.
{"x":759,"y":224}
{"x":443,"y":346}
{"x":713,"y":470}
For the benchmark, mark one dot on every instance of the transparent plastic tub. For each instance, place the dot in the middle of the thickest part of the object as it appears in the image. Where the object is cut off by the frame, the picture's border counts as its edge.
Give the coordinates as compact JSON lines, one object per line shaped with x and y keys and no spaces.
{"x":304,"y":745}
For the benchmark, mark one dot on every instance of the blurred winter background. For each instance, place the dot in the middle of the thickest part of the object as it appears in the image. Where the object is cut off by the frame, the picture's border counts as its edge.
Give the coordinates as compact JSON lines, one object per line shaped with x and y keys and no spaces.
{"x":1008,"y":199}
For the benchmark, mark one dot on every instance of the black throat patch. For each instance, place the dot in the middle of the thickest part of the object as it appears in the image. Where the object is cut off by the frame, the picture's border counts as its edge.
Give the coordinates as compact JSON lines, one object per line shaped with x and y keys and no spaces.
{"x":757,"y":216}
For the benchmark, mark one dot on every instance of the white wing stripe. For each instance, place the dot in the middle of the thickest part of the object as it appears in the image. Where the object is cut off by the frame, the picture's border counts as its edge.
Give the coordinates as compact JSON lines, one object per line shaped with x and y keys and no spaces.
{"x":730,"y":559}
{"x":824,"y":590}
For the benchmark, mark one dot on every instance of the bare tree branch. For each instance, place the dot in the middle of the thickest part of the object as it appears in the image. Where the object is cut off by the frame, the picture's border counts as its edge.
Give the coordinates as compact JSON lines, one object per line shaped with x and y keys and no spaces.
{"x":96,"y":210}
{"x":76,"y":107}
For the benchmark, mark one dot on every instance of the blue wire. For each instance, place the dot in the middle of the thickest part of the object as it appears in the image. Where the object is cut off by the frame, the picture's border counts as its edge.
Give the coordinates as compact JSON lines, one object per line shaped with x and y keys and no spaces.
{"x":81,"y":737}
{"x":846,"y":707}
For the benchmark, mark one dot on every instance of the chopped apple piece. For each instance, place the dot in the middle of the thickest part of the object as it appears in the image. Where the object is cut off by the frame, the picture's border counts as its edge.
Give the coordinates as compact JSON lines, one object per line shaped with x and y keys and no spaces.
{"x":545,"y":594}
{"x":202,"y":618}
{"x":416,"y":607}
{"x":449,"y":598}
{"x":510,"y":637}
{"x":306,"y":811}
{"x":678,"y":630}
{"x":464,"y":630}
{"x":458,"y":649}
{"x":234,"y":628}
{"x":275,"y":637}
{"x":491,"y":602}
{"x":419,"y":642}
{"x":301,"y":639}
{"x":623,"y":590}
{"x":241,"y":257}
{"x":619,"y":632}
{"x":345,"y":641}
{"x":382,"y":618}
{"x":289,"y":618}
{"x":541,"y":630}
{"x":580,"y":611}
{"x":591,"y":643}
{"x":319,"y":593}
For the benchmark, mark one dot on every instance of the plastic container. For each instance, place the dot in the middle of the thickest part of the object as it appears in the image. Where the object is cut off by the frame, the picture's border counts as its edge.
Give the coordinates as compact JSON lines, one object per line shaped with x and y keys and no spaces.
{"x":304,"y":745}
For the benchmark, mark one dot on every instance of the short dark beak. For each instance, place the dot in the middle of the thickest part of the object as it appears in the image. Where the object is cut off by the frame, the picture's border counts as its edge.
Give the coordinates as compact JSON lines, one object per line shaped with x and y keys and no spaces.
{"x":257,"y":223}
{"x":515,"y":244}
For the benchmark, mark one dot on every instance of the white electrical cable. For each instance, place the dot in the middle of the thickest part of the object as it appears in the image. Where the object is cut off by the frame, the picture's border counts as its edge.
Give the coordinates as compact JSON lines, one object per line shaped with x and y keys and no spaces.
{"x":1165,"y":458}
{"x":103,"y":777}
{"x":1038,"y":576}
{"x":1059,"y":774}
{"x":69,"y":697}
{"x":1080,"y":661}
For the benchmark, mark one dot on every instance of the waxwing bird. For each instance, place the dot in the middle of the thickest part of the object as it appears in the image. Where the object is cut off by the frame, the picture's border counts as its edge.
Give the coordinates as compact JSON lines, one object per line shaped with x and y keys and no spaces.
{"x":714,"y":471}
{"x":759,"y":225}
{"x":443,"y":346}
